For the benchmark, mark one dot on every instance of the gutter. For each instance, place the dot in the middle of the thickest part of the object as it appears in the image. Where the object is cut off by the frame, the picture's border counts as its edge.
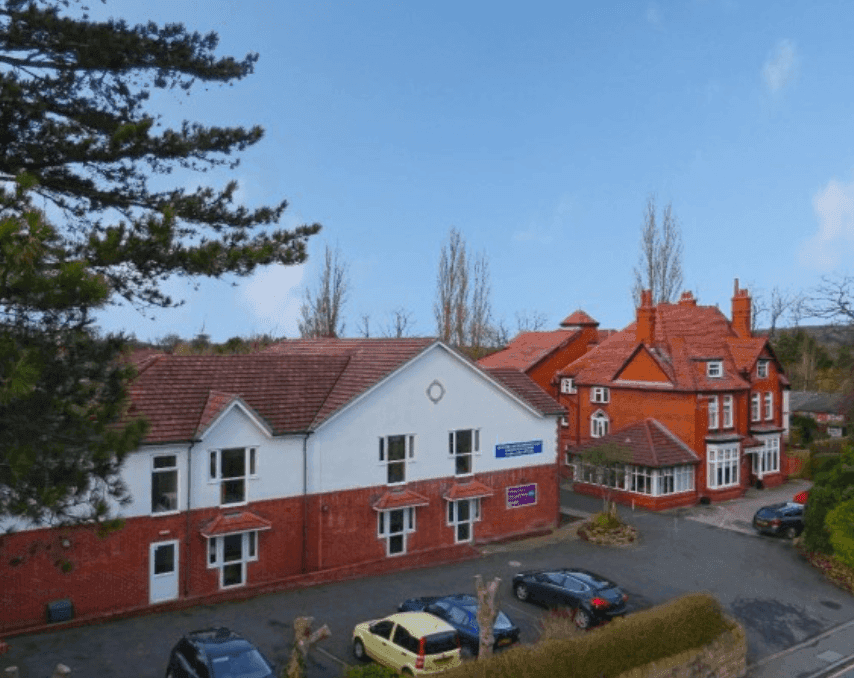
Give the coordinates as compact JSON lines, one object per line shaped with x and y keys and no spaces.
{"x":305,"y":501}
{"x":187,"y":539}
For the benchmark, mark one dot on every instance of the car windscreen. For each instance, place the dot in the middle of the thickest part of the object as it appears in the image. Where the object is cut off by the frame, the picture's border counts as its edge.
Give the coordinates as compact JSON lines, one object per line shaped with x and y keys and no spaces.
{"x":593,"y":580}
{"x":436,"y":643}
{"x":248,"y":664}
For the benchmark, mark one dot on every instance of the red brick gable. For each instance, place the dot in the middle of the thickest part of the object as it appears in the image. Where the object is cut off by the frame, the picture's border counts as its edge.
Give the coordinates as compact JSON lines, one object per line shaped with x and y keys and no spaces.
{"x":686,"y":337}
{"x":528,"y":349}
{"x":645,"y":443}
{"x":642,"y":366}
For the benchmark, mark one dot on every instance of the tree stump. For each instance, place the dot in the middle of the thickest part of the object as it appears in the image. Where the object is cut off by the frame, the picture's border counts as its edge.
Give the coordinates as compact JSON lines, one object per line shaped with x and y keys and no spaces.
{"x":304,"y":640}
{"x":487,"y":611}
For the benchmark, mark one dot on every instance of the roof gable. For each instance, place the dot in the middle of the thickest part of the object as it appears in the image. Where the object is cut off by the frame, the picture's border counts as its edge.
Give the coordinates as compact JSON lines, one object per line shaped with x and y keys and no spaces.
{"x":645,"y":443}
{"x":642,"y":366}
{"x":528,"y":349}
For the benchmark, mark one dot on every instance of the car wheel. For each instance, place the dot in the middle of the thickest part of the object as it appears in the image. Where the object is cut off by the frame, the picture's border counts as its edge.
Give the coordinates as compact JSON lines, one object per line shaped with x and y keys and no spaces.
{"x":521,"y":592}
{"x":582,"y":618}
{"x":359,"y":650}
{"x":791,"y":532}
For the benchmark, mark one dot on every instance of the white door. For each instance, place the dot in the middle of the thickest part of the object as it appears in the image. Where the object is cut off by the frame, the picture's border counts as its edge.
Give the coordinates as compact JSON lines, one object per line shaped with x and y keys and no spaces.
{"x":163,"y":569}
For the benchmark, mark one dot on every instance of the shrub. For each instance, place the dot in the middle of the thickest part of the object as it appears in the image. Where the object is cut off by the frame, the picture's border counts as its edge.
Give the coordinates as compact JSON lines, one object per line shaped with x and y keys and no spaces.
{"x":840,"y":526}
{"x":816,"y":535}
{"x":369,"y":671}
{"x":558,"y":624}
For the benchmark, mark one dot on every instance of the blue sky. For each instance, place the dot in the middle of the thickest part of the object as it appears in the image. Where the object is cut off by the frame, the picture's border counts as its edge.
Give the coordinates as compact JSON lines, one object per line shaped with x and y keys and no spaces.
{"x":537,"y":129}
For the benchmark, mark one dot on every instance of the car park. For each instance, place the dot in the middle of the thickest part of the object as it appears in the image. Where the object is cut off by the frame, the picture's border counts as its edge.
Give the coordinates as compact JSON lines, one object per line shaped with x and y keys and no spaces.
{"x":460,"y":611}
{"x":593,"y":598}
{"x":217,"y":653}
{"x":411,"y":643}
{"x":785,"y":518}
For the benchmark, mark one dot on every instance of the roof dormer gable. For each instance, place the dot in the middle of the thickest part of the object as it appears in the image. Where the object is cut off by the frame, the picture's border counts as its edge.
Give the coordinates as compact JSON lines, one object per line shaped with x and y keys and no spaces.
{"x":643,"y":366}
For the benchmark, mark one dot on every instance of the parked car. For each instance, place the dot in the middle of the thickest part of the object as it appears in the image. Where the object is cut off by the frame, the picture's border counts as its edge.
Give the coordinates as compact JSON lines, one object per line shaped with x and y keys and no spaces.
{"x":217,"y":653}
{"x":594,"y":599}
{"x":460,"y":611}
{"x":412,"y":643}
{"x":786,"y":518}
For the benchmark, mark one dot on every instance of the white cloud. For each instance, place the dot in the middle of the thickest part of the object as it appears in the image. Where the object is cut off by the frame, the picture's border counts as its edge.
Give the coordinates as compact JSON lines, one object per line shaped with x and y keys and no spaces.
{"x":780,"y":67}
{"x":273,"y":298}
{"x":834,"y":209}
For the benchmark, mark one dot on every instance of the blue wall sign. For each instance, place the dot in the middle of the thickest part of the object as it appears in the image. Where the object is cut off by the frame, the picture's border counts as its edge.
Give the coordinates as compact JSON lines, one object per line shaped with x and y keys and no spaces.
{"x":518,"y":449}
{"x":521,"y":495}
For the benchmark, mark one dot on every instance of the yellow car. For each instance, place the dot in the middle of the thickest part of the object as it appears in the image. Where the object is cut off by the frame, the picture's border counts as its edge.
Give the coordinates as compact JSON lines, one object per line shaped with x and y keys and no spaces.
{"x":412,"y":643}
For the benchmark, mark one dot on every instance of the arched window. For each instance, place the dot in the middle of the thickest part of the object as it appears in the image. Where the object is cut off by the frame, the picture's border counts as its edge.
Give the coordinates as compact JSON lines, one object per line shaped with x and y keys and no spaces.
{"x":599,"y":424}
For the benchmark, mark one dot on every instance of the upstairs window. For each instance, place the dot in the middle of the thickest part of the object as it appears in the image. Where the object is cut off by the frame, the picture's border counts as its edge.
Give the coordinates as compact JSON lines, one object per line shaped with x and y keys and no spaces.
{"x":230,"y":468}
{"x":395,"y":453}
{"x":567,"y":385}
{"x":600,"y":394}
{"x":728,"y":411}
{"x":769,"y":406}
{"x":462,"y":446}
{"x":754,"y":407}
{"x":762,"y":369}
{"x":164,"y":483}
{"x":714,"y":369}
{"x":713,"y":412}
{"x":599,"y":425}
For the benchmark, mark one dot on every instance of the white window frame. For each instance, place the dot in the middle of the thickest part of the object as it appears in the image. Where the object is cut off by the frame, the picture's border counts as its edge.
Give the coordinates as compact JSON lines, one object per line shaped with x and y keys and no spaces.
{"x":714,"y":413}
{"x":755,"y":409}
{"x":673,"y":480}
{"x":728,"y":410}
{"x":248,"y":554}
{"x":567,"y":385}
{"x":564,"y":421}
{"x":384,"y":531}
{"x":458,"y":456}
{"x":600,"y":424}
{"x":768,"y":460}
{"x":250,"y":467}
{"x":762,"y":369}
{"x":408,"y":456}
{"x":452,"y":518}
{"x":724,"y":463}
{"x":173,"y":502}
{"x":769,"y":406}
{"x":715,"y":369}
{"x":600,"y":394}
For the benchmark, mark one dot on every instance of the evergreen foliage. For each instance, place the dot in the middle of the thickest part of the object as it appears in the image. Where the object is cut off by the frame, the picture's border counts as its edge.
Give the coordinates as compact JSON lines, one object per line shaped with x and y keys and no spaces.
{"x":76,"y":133}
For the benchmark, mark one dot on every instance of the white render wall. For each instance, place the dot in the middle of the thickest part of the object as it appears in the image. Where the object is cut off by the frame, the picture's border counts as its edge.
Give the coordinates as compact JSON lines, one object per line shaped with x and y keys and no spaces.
{"x":344,"y":451}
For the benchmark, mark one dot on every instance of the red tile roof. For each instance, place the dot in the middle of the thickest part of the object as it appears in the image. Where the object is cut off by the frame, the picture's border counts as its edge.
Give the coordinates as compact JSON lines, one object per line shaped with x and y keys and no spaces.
{"x":469,"y":490}
{"x":395,"y":499}
{"x":645,"y":443}
{"x":526,"y":389}
{"x":686,"y":336}
{"x":578,"y":319}
{"x":235,"y":521}
{"x":292,"y":387}
{"x":528,"y":349}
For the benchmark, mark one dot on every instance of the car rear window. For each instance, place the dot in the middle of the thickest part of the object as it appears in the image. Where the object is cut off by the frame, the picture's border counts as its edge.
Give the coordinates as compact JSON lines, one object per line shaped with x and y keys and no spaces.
{"x":249,"y":664}
{"x":593,"y":580}
{"x":437,"y":643}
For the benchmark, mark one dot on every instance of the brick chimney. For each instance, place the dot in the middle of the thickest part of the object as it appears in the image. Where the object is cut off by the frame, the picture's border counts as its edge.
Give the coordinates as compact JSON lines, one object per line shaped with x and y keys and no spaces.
{"x":646,"y":319}
{"x":687,"y":299}
{"x":741,"y":309}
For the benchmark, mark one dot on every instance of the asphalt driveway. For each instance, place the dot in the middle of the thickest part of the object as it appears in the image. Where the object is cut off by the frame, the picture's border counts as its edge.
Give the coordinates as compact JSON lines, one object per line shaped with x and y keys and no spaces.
{"x":762,"y":581}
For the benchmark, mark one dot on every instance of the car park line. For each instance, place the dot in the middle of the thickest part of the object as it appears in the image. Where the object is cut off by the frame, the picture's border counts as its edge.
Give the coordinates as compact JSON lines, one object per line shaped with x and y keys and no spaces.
{"x":521,"y":611}
{"x":332,"y":656}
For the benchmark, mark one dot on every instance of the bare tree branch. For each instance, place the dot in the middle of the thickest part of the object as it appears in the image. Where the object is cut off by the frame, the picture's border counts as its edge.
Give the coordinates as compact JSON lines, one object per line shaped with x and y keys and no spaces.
{"x":660,"y":262}
{"x":530,"y":321}
{"x":321,"y":310}
{"x":400,"y":324}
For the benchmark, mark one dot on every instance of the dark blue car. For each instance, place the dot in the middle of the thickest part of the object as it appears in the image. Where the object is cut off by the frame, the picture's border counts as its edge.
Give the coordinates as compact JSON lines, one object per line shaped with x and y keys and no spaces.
{"x":460,"y":611}
{"x":217,"y":653}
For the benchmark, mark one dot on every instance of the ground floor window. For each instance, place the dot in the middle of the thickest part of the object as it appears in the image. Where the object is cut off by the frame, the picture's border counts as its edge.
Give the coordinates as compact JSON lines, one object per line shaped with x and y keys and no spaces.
{"x":638,"y":479}
{"x":462,"y":513}
{"x":767,"y":460}
{"x":393,"y":526}
{"x":230,"y":553}
{"x":723,"y":466}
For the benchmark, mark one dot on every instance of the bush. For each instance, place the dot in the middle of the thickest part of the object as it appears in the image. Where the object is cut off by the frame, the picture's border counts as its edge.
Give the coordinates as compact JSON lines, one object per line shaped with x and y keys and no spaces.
{"x":369,"y":671}
{"x":558,"y":624}
{"x":681,"y":625}
{"x":816,"y":535}
{"x":840,"y":527}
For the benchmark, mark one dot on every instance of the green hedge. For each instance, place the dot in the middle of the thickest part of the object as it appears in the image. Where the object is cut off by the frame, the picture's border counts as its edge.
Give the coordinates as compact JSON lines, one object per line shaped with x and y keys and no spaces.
{"x":683,"y":624}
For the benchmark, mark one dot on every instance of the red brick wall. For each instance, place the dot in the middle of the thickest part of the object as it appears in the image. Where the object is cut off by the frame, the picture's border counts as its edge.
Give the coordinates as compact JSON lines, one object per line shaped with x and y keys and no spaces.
{"x":111,"y":574}
{"x":544,"y":372}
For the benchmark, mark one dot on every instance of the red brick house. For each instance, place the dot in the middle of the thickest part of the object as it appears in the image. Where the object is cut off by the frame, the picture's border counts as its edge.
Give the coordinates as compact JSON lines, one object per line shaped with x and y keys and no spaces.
{"x":541,"y":354}
{"x":313,"y":461}
{"x":691,"y":404}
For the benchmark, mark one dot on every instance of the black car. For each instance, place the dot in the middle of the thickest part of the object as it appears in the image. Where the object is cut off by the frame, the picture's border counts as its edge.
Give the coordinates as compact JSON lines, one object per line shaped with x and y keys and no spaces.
{"x":594,"y":598}
{"x":217,"y":653}
{"x":460,"y":611}
{"x":786,"y":518}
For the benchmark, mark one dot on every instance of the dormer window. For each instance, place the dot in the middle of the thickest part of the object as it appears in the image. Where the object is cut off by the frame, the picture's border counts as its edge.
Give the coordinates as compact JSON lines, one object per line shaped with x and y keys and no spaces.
{"x":567,"y":385}
{"x":715,"y":369}
{"x":762,"y":369}
{"x":600,"y":394}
